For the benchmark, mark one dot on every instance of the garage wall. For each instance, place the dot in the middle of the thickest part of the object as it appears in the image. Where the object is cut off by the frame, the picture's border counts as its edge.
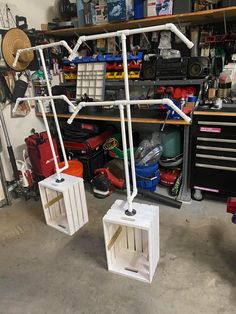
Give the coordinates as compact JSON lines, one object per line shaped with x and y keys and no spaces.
{"x":36,"y":12}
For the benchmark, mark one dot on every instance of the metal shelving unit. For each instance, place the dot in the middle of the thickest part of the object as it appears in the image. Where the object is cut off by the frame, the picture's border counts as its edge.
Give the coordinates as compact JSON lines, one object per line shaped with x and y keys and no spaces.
{"x":180,"y":82}
{"x":120,"y":83}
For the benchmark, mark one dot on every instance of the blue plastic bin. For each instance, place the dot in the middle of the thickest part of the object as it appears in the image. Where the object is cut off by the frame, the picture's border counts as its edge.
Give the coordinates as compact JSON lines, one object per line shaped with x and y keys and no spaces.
{"x":147,"y":177}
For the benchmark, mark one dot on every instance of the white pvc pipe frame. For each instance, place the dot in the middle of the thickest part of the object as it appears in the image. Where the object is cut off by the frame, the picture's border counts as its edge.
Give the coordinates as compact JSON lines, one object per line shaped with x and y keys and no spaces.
{"x":40,"y":48}
{"x":121,"y":103}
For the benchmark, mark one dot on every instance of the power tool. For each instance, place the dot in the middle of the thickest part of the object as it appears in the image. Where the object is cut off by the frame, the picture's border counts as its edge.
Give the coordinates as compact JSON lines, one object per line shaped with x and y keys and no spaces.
{"x":104,"y":182}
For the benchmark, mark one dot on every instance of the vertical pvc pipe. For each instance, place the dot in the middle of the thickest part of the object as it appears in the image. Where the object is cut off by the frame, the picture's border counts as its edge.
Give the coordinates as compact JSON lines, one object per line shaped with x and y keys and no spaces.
{"x":50,"y":139}
{"x":126,"y":161}
{"x":54,"y":115}
{"x":127,"y":96}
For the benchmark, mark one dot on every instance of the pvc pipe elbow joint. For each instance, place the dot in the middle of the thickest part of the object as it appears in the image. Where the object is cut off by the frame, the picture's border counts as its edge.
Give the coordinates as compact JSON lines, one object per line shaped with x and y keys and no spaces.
{"x":72,"y":56}
{"x":65,"y":44}
{"x":172,"y":27}
{"x":74,"y":53}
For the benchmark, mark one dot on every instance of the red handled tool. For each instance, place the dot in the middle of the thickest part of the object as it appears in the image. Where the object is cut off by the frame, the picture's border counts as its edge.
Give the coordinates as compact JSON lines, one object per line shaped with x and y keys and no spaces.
{"x":104,"y":181}
{"x":119,"y":183}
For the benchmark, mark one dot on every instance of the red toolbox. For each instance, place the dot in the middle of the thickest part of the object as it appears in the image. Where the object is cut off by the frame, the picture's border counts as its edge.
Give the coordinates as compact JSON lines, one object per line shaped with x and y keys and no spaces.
{"x":88,"y":145}
{"x":40,"y":154}
{"x":89,"y":151}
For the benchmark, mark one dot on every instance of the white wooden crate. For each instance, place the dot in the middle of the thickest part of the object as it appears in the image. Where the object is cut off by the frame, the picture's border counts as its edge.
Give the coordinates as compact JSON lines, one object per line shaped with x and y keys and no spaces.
{"x":64,"y":203}
{"x":132,"y":243}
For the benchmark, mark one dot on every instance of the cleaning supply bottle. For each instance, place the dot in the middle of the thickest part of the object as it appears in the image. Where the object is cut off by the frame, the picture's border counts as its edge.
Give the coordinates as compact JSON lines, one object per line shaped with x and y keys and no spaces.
{"x":225,"y":84}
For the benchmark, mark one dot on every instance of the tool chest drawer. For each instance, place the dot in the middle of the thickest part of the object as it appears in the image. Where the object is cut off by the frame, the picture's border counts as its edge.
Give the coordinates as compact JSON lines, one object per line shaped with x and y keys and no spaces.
{"x":213,"y":154}
{"x":214,"y":126}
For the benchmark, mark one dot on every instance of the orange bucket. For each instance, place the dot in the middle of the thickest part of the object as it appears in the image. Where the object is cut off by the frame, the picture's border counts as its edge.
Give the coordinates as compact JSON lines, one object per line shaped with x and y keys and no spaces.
{"x":75,"y":168}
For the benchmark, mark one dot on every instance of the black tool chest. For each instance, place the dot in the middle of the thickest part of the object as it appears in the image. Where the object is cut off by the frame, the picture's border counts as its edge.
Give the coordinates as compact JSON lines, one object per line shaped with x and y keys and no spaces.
{"x":213,"y":153}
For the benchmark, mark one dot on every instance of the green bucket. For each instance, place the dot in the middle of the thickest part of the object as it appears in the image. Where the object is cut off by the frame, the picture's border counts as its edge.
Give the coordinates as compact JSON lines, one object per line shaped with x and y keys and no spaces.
{"x":171,"y":142}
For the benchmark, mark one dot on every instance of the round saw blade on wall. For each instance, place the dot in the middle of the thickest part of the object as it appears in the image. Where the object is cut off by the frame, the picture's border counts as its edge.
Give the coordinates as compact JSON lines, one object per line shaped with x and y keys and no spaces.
{"x":13,"y":40}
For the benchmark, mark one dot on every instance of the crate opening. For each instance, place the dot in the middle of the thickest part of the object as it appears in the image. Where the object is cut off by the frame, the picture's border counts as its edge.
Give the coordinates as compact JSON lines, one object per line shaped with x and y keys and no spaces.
{"x":128,"y":251}
{"x":55,"y":210}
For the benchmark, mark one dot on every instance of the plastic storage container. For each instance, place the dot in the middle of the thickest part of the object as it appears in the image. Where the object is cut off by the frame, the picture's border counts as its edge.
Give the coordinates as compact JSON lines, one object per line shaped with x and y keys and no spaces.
{"x":171,"y":142}
{"x":147,"y":177}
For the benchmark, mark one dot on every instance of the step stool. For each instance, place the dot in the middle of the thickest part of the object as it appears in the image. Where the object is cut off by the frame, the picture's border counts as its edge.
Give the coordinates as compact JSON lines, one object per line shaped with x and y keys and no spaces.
{"x":132,"y":243}
{"x":64,"y":203}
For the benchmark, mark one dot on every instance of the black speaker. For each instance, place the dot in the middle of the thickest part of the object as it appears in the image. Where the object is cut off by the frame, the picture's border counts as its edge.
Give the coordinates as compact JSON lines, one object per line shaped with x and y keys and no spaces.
{"x":198,"y":67}
{"x":148,"y":70}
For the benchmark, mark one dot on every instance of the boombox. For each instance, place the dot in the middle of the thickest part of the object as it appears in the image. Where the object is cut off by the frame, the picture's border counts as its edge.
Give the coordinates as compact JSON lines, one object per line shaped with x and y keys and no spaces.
{"x":175,"y":68}
{"x":171,"y":68}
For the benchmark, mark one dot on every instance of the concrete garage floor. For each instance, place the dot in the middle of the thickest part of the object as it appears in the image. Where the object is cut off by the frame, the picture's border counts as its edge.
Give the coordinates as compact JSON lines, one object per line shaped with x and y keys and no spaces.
{"x":45,"y":271}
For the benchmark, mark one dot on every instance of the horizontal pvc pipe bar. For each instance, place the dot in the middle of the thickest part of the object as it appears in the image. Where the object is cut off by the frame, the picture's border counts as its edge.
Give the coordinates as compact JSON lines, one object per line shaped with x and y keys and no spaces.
{"x":58,"y":43}
{"x":164,"y":101}
{"x":37,"y":98}
{"x":169,"y":26}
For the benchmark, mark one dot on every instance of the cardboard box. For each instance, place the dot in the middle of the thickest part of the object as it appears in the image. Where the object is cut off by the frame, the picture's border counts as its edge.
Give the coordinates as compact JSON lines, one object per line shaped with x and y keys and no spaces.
{"x":116,"y":10}
{"x":101,"y":14}
{"x":120,"y":10}
{"x":44,"y":27}
{"x":159,"y":7}
{"x":89,"y":13}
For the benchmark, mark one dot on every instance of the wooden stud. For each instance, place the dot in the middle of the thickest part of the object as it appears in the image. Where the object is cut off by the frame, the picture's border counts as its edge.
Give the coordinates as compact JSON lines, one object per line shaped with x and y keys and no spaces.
{"x":114,"y":238}
{"x":53,"y":201}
